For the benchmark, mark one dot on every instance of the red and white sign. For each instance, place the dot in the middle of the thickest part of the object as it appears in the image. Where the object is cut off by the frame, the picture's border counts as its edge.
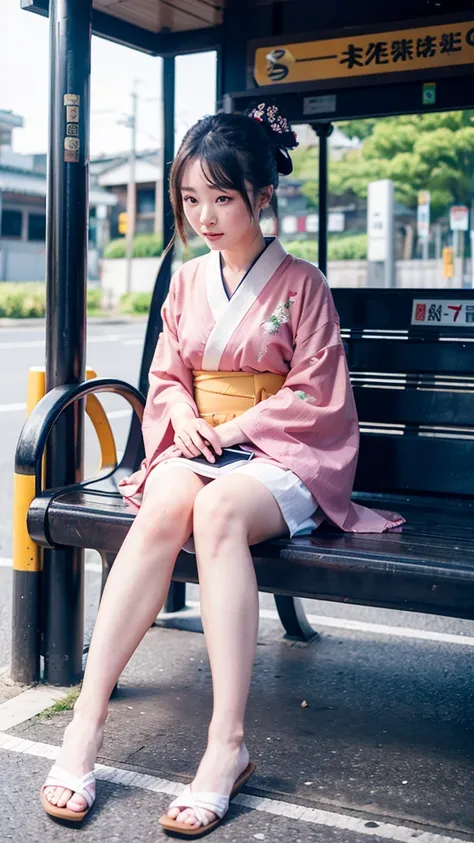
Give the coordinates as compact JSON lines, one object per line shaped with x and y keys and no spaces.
{"x":433,"y":312}
{"x":459,"y":218}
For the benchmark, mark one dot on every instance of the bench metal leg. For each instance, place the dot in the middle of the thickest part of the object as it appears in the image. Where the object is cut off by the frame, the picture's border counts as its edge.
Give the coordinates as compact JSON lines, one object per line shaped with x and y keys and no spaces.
{"x":188,"y":621}
{"x":176,"y":599}
{"x":108,"y":560}
{"x":294,"y":620}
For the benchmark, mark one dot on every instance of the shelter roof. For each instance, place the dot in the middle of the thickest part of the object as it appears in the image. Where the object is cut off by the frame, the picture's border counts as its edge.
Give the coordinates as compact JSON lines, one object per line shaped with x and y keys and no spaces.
{"x":164,"y":27}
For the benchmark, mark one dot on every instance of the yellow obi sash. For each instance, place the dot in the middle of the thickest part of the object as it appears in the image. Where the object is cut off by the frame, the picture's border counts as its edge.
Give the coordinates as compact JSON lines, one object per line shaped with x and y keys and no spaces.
{"x":221,"y":396}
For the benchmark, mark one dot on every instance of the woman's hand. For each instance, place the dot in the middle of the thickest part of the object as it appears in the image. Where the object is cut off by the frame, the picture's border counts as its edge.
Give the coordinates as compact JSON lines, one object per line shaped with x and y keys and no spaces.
{"x":194,"y":436}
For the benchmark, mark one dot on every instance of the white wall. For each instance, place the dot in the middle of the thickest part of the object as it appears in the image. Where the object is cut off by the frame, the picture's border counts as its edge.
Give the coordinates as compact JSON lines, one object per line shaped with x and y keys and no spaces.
{"x":416,"y":274}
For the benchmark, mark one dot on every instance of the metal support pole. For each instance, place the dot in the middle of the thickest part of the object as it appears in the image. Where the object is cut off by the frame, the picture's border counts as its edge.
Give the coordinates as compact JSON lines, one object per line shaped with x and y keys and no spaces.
{"x":131,"y":189}
{"x":323,"y":131}
{"x":168,"y":99}
{"x":176,"y":599}
{"x":66,"y":236}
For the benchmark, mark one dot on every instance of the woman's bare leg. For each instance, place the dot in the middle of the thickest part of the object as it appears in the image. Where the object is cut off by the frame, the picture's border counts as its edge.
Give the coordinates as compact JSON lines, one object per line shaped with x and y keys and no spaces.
{"x":229,"y":515}
{"x":133,"y":596}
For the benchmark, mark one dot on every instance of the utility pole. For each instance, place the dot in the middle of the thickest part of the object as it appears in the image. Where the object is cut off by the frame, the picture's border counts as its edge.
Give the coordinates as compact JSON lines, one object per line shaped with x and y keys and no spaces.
{"x":131,"y":188}
{"x":158,"y":224}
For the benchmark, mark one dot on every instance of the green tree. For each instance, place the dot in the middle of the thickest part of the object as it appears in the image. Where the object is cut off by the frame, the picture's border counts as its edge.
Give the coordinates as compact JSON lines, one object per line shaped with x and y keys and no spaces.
{"x":432,"y":152}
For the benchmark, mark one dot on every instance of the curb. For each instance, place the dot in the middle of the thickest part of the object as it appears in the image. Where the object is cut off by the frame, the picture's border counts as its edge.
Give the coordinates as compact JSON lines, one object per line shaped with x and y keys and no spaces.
{"x":40,"y":322}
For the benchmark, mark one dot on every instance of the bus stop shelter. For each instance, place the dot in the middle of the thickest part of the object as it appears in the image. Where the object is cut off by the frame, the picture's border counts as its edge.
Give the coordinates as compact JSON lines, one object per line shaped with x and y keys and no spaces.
{"x":322,"y":63}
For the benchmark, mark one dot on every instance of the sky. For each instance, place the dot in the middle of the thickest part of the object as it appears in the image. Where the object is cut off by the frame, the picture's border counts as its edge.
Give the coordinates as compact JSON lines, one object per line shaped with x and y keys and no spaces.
{"x":24,"y":86}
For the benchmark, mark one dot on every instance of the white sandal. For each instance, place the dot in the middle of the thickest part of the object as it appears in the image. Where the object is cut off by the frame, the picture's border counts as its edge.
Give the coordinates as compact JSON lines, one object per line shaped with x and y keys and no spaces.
{"x":85,"y":787}
{"x":199,"y":802}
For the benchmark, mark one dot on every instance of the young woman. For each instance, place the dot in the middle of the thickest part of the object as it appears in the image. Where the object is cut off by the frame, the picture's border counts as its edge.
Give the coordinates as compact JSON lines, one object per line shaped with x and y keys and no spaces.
{"x":250,"y":354}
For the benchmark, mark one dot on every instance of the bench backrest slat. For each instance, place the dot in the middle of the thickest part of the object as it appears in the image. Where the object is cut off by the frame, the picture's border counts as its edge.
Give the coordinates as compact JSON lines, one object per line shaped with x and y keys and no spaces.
{"x":414,"y":389}
{"x":418,"y":464}
{"x":413,"y":405}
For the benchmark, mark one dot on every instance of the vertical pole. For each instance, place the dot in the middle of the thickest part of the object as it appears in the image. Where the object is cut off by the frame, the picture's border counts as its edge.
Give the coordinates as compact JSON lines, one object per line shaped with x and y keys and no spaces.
{"x":176,"y":598}
{"x":323,"y":131}
{"x":168,"y":99}
{"x":66,"y":236}
{"x":131,"y":190}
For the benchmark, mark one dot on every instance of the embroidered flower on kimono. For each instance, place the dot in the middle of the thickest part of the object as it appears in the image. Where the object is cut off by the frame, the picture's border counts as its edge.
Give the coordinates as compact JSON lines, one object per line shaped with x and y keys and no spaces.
{"x":303,"y":395}
{"x":280,"y":315}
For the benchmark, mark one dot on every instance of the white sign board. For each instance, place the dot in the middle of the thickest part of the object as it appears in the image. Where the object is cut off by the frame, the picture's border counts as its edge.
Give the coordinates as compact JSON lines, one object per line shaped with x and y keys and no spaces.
{"x":459,"y":218}
{"x":423,"y":215}
{"x":289,"y":225}
{"x":380,"y":220}
{"x":435,"y":312}
{"x":336,"y":222}
{"x":312,"y":223}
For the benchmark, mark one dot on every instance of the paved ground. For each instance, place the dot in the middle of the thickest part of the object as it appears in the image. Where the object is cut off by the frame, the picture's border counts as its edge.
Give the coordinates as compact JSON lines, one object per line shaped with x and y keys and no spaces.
{"x":386,"y":738}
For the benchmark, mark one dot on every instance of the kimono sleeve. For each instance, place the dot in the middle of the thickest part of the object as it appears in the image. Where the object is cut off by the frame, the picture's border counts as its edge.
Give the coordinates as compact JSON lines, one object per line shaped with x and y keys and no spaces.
{"x":170,"y":381}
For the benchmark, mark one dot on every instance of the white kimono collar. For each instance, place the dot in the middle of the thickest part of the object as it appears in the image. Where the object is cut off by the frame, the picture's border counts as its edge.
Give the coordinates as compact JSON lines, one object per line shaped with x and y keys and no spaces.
{"x":228,"y":313}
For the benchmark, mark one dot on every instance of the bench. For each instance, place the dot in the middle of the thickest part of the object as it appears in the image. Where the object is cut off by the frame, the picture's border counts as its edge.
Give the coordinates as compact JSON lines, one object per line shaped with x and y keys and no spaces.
{"x":414,"y":389}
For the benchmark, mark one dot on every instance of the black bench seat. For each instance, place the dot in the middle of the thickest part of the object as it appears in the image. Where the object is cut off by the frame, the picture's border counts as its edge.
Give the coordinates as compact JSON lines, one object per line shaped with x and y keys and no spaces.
{"x":428,"y":566}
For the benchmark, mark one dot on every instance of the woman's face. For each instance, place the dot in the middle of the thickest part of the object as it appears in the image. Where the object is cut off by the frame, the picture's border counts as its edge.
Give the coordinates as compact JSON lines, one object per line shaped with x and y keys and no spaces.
{"x":220,"y":217}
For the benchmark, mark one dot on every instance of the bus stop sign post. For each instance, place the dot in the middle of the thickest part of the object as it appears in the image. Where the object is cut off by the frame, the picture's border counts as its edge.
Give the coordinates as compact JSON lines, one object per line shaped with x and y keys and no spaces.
{"x":66,"y":274}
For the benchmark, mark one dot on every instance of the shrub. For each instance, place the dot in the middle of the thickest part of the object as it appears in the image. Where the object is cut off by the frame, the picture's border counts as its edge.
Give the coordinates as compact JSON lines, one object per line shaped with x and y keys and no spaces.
{"x":194,"y":250}
{"x":147,"y":246}
{"x":305,"y":249}
{"x":115,"y":249}
{"x":340,"y":248}
{"x":144,"y":246}
{"x":350,"y":247}
{"x":94,"y":299}
{"x":24,"y":300}
{"x":135,"y":303}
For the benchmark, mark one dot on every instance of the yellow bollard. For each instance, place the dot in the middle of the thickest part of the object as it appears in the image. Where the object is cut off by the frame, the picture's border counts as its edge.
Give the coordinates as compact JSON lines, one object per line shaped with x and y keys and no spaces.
{"x":27,"y":556}
{"x":27,"y":565}
{"x":98,"y":417}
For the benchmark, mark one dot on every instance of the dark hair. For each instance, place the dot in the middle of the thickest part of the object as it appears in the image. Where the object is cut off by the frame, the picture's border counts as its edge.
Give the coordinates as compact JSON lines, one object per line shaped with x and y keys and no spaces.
{"x":234,"y":148}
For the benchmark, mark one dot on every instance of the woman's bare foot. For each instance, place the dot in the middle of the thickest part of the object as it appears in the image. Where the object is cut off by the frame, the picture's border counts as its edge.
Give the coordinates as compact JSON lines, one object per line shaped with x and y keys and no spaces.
{"x":82,"y":742}
{"x":221,"y":765}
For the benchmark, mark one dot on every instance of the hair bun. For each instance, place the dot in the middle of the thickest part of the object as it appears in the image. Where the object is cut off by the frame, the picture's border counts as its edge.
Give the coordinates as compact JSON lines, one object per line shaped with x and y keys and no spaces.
{"x":279,"y":131}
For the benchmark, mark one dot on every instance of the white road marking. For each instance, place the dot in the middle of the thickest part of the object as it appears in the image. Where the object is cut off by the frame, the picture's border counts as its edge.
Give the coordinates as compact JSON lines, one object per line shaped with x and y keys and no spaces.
{"x":318,"y":621}
{"x":301,"y":813}
{"x":12,"y":408}
{"x":119,"y":414}
{"x":28,"y":704}
{"x":8,"y":346}
{"x":21,"y":407}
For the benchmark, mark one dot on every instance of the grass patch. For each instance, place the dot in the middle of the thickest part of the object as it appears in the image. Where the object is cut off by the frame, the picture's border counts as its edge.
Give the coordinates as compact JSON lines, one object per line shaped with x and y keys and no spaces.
{"x":62,"y":705}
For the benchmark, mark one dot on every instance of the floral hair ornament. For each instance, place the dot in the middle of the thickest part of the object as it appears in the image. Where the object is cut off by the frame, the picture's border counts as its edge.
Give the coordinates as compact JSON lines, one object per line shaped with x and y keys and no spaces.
{"x":279,"y":131}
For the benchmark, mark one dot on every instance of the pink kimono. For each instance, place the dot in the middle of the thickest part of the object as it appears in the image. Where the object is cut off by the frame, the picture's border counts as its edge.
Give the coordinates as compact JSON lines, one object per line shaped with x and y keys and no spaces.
{"x":281,"y":319}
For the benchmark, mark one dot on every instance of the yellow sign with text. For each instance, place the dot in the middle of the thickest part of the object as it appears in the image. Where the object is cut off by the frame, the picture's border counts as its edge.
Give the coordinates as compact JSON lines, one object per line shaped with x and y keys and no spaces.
{"x":423,"y":48}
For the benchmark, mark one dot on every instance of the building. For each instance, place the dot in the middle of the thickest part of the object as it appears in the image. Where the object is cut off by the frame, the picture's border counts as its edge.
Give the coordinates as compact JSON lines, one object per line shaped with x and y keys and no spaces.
{"x":23,"y":211}
{"x":111,"y":173}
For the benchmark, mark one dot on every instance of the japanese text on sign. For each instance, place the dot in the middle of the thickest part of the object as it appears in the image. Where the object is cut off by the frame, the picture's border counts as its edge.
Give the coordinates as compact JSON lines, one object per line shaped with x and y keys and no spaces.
{"x":388,"y":52}
{"x":443,"y":312}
